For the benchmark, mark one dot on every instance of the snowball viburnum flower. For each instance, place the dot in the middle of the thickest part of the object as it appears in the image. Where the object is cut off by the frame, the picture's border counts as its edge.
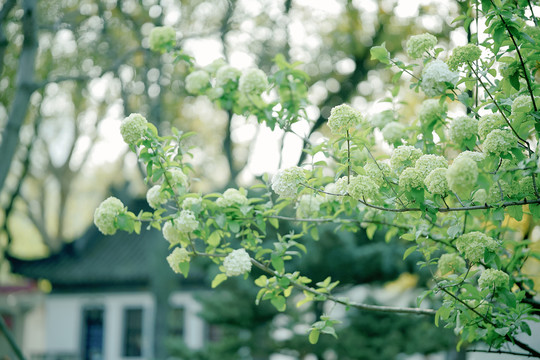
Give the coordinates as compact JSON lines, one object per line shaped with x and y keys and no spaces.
{"x":463,"y":55}
{"x":227,"y":74}
{"x":417,"y":45}
{"x":178,"y":178}
{"x":285,"y":182}
{"x":341,"y":185}
{"x":186,"y":221}
{"x":523,"y":104}
{"x":161,"y":38}
{"x":343,"y":118}
{"x":380,"y":120}
{"x":463,"y":128}
{"x":362,"y":187}
{"x":308,"y":205}
{"x":435,"y":77}
{"x":232,"y":197}
{"x":194,"y":204}
{"x":156,"y":197}
{"x":237,"y":263}
{"x":431,"y":111}
{"x":490,"y":122}
{"x":377,"y":172}
{"x":493,"y":279}
{"x":473,"y":155}
{"x":498,"y":142}
{"x":133,"y":128}
{"x":197,"y":82}
{"x":253,"y":82}
{"x":404,"y":156}
{"x":411,"y":178}
{"x":451,"y":263}
{"x":171,"y":233}
{"x":105,"y":215}
{"x":473,"y":244}
{"x":179,"y":255}
{"x":393,"y":132}
{"x":427,"y":163}
{"x":462,"y":176}
{"x":436,"y":182}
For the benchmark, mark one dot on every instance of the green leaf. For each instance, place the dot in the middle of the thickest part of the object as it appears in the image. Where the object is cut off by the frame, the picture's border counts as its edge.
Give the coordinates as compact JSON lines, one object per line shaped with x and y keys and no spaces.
{"x":278,"y":264}
{"x":274,"y":222}
{"x":314,"y":336}
{"x":279,"y":303}
{"x":370,"y":231}
{"x":409,"y":251}
{"x":214,"y":239}
{"x":184,"y":268}
{"x":380,"y":53}
{"x":218,"y":280}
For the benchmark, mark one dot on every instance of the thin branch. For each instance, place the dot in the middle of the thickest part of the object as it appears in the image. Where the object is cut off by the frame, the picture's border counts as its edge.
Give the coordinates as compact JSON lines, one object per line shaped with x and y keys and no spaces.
{"x":499,"y":352}
{"x":10,"y":339}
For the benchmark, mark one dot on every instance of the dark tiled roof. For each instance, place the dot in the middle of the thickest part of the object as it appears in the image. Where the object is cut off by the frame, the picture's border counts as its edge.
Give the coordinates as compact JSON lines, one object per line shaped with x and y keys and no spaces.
{"x":95,"y":260}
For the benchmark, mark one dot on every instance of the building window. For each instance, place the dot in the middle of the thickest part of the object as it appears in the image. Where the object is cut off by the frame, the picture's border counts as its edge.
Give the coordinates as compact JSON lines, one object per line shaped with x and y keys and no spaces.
{"x":133,"y":319}
{"x":176,"y":322}
{"x":92,"y":334}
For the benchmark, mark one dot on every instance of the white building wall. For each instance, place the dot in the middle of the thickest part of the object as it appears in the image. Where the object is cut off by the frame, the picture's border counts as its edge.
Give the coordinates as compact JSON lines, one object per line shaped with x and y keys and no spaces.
{"x":194,"y":334}
{"x":33,"y":337}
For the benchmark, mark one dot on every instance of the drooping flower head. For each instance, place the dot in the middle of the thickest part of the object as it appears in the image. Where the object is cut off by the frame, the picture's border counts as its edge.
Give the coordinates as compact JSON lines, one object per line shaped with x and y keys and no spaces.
{"x":197,"y":82}
{"x":162,"y":38}
{"x":106,"y":213}
{"x":451,"y":263}
{"x":436,"y":181}
{"x":232,"y":197}
{"x":463,"y":55}
{"x":343,"y":118}
{"x":285,"y":182}
{"x":362,"y":187}
{"x":462,"y":129}
{"x":133,"y":128}
{"x":418,"y":45}
{"x":404,"y":156}
{"x":462,"y":176}
{"x":435,"y":77}
{"x":237,"y":263}
{"x":179,"y":255}
{"x":253,"y":82}
{"x":493,"y":279}
{"x":473,"y":245}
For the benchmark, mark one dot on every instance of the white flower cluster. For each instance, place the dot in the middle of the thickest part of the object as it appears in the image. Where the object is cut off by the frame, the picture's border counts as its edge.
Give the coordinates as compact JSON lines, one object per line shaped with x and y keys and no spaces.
{"x":179,"y":255}
{"x":463,"y":128}
{"x":253,"y":82}
{"x":105,"y":215}
{"x":156,"y":197}
{"x":133,"y":128}
{"x":362,"y":187}
{"x":490,"y":122}
{"x":237,"y":263}
{"x":186,"y":221}
{"x":178,"y":178}
{"x":427,"y":163}
{"x":499,"y":141}
{"x":435,"y":76}
{"x":342,"y":185}
{"x":411,"y":178}
{"x":473,"y":155}
{"x":171,"y":233}
{"x":473,"y":245}
{"x":308,"y":205}
{"x":227,"y":74}
{"x":436,"y":182}
{"x":493,"y":279}
{"x":194,"y":204}
{"x":197,"y":82}
{"x":417,"y":45}
{"x":285,"y":182}
{"x":432,"y":111}
{"x":451,"y":263}
{"x":343,"y":118}
{"x":380,"y":120}
{"x":462,"y":176}
{"x":523,"y":104}
{"x":161,"y":38}
{"x":393,"y":132}
{"x":404,"y":156}
{"x":232,"y":197}
{"x":377,"y":172}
